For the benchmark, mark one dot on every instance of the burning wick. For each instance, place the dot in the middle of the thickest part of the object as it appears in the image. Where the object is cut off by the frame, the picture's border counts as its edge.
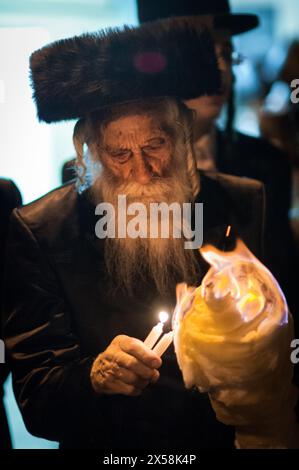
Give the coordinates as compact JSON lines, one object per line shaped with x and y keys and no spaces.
{"x":155,"y":334}
{"x":228,"y":230}
{"x":226,"y":237}
{"x":157,"y":331}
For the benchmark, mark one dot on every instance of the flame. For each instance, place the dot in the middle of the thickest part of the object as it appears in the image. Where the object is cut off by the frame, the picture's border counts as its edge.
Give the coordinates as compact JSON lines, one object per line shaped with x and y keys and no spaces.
{"x":163,"y":316}
{"x":231,"y":331}
{"x":185,"y":296}
{"x":240,"y":275}
{"x":236,"y":277}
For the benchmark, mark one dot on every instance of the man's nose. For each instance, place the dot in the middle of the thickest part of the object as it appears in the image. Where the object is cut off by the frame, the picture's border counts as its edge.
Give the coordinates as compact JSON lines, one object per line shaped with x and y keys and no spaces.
{"x":142,"y":170}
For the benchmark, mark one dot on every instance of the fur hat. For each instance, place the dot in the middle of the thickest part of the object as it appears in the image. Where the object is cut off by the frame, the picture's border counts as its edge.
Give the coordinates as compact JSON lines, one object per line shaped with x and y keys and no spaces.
{"x":172,"y":57}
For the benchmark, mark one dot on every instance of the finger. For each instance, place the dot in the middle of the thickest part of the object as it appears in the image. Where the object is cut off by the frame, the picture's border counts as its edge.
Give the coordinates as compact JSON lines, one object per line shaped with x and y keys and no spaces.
{"x":114,"y":359}
{"x":130,"y":378}
{"x":140,"y":351}
{"x":119,"y":387}
{"x":135,"y":379}
{"x":134,"y":365}
{"x":155,"y":377}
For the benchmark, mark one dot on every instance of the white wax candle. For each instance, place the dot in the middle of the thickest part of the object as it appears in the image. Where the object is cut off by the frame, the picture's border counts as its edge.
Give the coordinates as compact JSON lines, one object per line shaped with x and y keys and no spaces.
{"x":164,"y":343}
{"x":154,"y":335}
{"x":157,"y":331}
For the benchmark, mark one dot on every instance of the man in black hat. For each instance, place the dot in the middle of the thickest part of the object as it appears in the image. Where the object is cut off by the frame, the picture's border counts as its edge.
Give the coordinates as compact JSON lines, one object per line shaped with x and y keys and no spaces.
{"x":74,"y":326}
{"x":230,"y":151}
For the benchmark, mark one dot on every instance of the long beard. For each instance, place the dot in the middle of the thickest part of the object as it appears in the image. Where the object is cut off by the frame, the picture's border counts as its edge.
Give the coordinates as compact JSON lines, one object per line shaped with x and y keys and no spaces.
{"x":133,"y":261}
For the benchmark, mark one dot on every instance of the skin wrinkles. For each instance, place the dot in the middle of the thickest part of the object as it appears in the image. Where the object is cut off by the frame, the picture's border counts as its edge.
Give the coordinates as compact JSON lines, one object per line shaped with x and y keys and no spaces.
{"x":136,"y":148}
{"x":142,"y":156}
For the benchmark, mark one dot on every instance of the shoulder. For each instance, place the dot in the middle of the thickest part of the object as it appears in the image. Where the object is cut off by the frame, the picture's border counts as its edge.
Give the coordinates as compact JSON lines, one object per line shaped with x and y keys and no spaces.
{"x":10,"y":196}
{"x":50,"y":205}
{"x":51,"y":216}
{"x":232,"y":185}
{"x":236,"y":201}
{"x":254,"y":157}
{"x":259,"y":159}
{"x":257,"y":146}
{"x":244,"y":196}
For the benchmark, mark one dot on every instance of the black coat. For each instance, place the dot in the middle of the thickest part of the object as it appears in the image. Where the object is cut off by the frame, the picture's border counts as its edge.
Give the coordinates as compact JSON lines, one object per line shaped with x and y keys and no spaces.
{"x":59,"y":314}
{"x":10,"y":197}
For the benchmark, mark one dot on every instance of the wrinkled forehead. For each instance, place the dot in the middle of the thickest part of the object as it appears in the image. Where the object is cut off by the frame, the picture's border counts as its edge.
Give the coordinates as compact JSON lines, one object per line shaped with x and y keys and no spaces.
{"x":134,"y":119}
{"x":132,"y":124}
{"x":123,"y":110}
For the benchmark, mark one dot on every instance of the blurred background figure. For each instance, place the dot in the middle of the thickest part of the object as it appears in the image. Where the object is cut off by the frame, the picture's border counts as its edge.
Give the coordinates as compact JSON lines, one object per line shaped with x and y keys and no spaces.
{"x":279,"y":122}
{"x":279,"y":117}
{"x":10,"y":198}
{"x":35,"y":158}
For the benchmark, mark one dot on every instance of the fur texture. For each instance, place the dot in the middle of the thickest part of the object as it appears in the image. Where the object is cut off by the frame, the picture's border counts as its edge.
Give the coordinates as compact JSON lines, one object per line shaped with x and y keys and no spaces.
{"x":172,"y":57}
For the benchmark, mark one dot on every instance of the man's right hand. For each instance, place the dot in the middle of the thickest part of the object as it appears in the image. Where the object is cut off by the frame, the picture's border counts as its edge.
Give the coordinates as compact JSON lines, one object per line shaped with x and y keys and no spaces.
{"x":126,"y":367}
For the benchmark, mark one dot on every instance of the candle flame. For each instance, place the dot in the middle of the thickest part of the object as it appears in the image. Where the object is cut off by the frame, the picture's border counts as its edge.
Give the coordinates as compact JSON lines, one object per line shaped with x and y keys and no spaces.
{"x":163,"y":317}
{"x":236,"y":275}
{"x":240,"y":275}
{"x":232,"y":330}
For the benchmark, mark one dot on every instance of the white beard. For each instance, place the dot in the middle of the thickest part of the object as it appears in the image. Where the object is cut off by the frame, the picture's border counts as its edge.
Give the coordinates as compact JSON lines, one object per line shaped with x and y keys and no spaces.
{"x":164,"y":261}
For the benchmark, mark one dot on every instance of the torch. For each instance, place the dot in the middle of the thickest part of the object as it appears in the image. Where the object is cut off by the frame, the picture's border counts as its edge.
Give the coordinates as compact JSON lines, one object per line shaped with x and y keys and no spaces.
{"x":232,"y":337}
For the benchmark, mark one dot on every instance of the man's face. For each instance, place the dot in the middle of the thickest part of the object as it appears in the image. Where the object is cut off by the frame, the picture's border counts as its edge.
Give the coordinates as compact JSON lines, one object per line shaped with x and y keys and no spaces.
{"x":146,"y":164}
{"x":209,"y":107}
{"x":134,"y":148}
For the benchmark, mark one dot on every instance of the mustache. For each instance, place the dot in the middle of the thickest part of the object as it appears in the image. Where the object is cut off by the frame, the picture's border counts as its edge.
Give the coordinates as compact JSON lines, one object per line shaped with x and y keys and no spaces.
{"x":159,"y":188}
{"x":171,"y":188}
{"x":164,"y":261}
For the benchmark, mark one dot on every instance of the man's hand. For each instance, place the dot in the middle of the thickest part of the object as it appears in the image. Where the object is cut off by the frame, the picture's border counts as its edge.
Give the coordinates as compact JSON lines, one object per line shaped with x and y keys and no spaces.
{"x":126,"y":367}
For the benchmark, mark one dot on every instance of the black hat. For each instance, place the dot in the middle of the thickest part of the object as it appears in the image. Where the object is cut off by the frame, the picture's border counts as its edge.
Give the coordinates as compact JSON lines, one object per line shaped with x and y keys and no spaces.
{"x":151,"y":10}
{"x":75,"y":76}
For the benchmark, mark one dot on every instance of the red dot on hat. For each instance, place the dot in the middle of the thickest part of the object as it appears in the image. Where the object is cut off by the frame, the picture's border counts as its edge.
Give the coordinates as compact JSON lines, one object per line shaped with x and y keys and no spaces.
{"x":150,"y":62}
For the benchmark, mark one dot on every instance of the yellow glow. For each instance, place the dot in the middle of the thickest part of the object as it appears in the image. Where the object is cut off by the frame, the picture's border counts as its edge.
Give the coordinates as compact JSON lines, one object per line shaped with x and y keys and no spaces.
{"x":163,"y":317}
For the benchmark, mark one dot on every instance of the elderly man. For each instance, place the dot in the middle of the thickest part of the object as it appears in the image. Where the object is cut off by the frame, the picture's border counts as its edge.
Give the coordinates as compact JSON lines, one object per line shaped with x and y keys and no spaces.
{"x":78,"y":307}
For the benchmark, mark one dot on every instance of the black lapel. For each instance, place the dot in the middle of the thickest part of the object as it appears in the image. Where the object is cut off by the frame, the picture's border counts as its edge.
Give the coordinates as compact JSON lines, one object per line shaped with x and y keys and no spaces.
{"x":217,"y":213}
{"x":87,"y":221}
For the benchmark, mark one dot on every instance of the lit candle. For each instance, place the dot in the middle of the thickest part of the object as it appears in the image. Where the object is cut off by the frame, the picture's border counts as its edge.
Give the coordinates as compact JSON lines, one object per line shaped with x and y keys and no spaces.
{"x":163,"y":344}
{"x":157,"y":331}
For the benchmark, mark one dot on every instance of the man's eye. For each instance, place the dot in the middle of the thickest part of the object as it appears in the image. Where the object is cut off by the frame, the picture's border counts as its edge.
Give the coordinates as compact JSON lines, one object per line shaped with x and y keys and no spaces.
{"x":122,"y":155}
{"x":151,"y":148}
{"x":154,"y":145}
